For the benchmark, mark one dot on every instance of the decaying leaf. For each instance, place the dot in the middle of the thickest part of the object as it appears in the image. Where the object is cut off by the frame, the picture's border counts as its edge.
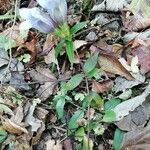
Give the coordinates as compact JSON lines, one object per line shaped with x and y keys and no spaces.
{"x":5,"y":5}
{"x":12,"y":127}
{"x":135,"y":35}
{"x":101,"y":87}
{"x":49,"y":50}
{"x":79,"y":43}
{"x":111,"y":64}
{"x":52,"y":145}
{"x":143,"y":54}
{"x":136,"y":119}
{"x":67,"y":144}
{"x":47,"y":80}
{"x":14,"y":34}
{"x":140,"y":6}
{"x":121,"y":84}
{"x":127,"y":106}
{"x":135,"y":23}
{"x":137,"y":139}
{"x":109,"y":5}
{"x":35,"y":123}
{"x":4,"y":59}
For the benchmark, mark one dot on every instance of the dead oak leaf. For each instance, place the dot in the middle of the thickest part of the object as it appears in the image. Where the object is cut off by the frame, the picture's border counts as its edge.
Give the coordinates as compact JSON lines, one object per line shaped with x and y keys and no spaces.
{"x":137,"y":139}
{"x":111,"y":64}
{"x":51,"y":145}
{"x":14,"y":34}
{"x":47,"y":80}
{"x":12,"y":127}
{"x":143,"y":54}
{"x":101,"y":87}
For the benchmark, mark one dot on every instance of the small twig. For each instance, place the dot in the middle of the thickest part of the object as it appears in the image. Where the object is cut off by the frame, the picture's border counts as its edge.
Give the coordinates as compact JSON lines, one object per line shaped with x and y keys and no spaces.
{"x":58,"y":128}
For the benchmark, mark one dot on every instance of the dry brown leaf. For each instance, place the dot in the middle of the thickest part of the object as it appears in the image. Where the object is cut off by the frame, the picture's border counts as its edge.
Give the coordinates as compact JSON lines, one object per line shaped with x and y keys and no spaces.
{"x":135,"y":23}
{"x":14,"y":34}
{"x":101,"y":87}
{"x":12,"y":127}
{"x":137,"y":138}
{"x":48,"y":47}
{"x":136,"y":119}
{"x":5,"y":5}
{"x":143,"y":54}
{"x":79,"y":43}
{"x":31,"y":46}
{"x":67,"y":144}
{"x":52,"y":145}
{"x":48,"y":80}
{"x":121,"y":84}
{"x":111,"y":64}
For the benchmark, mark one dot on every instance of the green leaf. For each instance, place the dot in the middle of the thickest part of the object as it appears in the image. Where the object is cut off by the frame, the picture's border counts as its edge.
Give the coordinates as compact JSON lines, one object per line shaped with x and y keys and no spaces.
{"x":78,"y":27}
{"x":72,"y":125}
{"x":111,"y":104}
{"x":118,"y":137}
{"x":6,"y":42}
{"x":109,"y":116}
{"x":94,"y":73}
{"x":59,"y":47}
{"x":74,"y":82}
{"x":79,"y":134}
{"x":97,"y":102}
{"x":70,"y":51}
{"x":87,"y":144}
{"x":60,"y":107}
{"x":3,"y":135}
{"x":90,"y":63}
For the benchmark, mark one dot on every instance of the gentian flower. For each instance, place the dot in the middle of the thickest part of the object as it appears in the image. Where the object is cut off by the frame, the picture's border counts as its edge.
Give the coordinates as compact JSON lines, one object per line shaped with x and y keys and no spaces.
{"x":47,"y":20}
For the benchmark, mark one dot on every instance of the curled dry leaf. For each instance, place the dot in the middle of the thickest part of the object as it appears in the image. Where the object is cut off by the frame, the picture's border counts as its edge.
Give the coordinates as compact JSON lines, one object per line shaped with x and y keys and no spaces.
{"x":12,"y":127}
{"x":135,"y":35}
{"x":5,"y":5}
{"x":52,"y":145}
{"x":137,"y":139}
{"x":67,"y":144}
{"x":109,"y":5}
{"x":136,"y":119}
{"x":101,"y":87}
{"x":124,"y":108}
{"x":135,"y":23}
{"x":79,"y":43}
{"x":49,"y":51}
{"x":14,"y":34}
{"x":31,"y":46}
{"x":48,"y":80}
{"x":121,"y":84}
{"x":111,"y":64}
{"x":34,"y":122}
{"x":143,"y":54}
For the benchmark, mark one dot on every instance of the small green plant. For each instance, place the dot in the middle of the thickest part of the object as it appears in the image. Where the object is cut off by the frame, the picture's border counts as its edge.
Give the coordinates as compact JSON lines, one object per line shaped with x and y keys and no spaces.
{"x":66,"y":34}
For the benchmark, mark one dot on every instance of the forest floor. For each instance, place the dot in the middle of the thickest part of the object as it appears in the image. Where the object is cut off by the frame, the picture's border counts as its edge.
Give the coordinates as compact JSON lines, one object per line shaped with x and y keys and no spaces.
{"x":95,"y":95}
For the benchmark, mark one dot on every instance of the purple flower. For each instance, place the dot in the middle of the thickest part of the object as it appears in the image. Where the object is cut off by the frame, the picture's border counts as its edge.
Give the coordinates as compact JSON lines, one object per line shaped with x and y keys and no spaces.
{"x":44,"y":21}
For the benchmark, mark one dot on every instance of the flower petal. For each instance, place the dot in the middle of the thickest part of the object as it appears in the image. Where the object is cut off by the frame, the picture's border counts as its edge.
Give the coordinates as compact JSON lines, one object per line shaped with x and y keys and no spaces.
{"x":37,"y":19}
{"x":25,"y":13}
{"x":48,"y":4}
{"x":59,"y":13}
{"x":56,"y":8}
